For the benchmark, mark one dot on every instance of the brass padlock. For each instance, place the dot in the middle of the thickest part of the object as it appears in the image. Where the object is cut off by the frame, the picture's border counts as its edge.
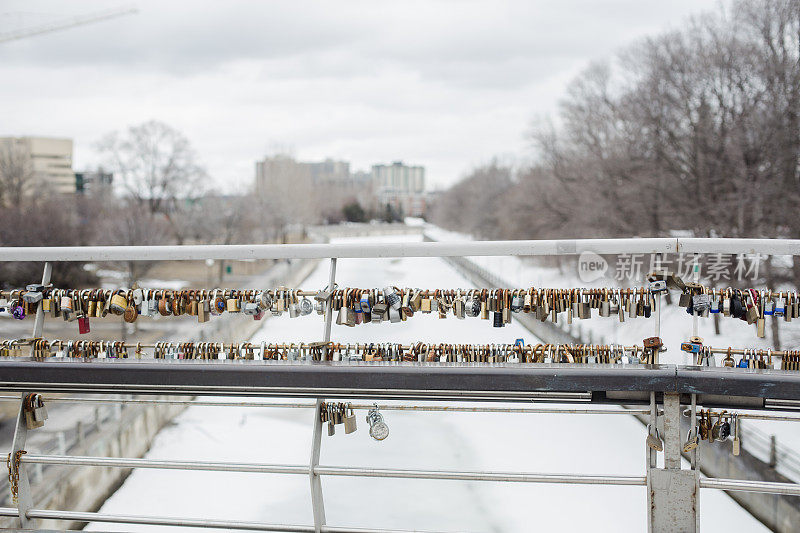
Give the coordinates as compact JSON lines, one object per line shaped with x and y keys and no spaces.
{"x":118,"y":303}
{"x":35,"y":411}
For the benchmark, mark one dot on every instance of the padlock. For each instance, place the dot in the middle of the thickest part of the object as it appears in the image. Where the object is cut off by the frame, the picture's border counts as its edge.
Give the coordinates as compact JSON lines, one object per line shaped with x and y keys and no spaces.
{"x":118,"y":303}
{"x":780,"y":307}
{"x":379,"y":312}
{"x":692,"y":441}
{"x":653,"y":439}
{"x":685,"y":299}
{"x":364,"y":303}
{"x":203,"y":309}
{"x":392,"y":298}
{"x":349,"y":419}
{"x":305,"y":306}
{"x":17,"y":311}
{"x":83,"y":325}
{"x":131,"y":314}
{"x":658,"y":287}
{"x":652,"y":343}
{"x":250,"y":308}
{"x":472,"y":307}
{"x":498,"y":320}
{"x":32,"y":402}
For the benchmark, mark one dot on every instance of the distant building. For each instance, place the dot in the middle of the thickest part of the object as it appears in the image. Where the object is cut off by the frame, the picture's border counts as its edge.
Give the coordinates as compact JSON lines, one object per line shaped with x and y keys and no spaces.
{"x":94,"y":182}
{"x":401,"y":186}
{"x":274,"y":175}
{"x":329,"y":171}
{"x":50,"y":161}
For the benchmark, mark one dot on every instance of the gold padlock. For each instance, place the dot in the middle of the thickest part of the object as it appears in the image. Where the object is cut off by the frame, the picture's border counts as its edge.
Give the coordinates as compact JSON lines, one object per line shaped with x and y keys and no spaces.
{"x":118,"y":303}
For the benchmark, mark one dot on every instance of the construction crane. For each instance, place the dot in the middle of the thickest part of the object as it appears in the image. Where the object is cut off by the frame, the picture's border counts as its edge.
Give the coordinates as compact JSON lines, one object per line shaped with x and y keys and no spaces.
{"x":59,"y":25}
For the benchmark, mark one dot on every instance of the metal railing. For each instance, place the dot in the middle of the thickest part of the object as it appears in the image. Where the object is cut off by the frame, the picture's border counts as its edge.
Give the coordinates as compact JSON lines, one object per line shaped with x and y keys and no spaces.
{"x":669,"y":488}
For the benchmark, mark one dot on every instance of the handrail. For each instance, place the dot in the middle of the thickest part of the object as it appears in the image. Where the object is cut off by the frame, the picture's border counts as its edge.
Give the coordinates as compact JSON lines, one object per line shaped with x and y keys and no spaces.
{"x":415,"y":249}
{"x":327,"y":251}
{"x":525,"y":382}
{"x":259,"y":468}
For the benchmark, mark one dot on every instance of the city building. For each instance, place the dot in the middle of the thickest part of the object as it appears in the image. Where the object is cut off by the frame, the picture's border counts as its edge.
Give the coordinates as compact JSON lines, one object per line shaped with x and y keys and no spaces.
{"x":276,"y":174}
{"x":400,"y":186}
{"x":329,"y":171}
{"x":95,"y":183}
{"x":49,"y":161}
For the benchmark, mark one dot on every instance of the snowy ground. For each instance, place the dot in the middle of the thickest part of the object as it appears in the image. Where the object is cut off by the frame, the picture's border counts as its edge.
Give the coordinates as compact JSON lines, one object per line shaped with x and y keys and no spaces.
{"x":610,"y":444}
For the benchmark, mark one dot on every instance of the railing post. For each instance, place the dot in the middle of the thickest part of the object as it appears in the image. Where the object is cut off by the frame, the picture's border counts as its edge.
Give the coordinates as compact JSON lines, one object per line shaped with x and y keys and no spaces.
{"x":24,"y":497}
{"x":317,"y":501}
{"x":672,"y":492}
{"x":773,"y":451}
{"x":38,"y":323}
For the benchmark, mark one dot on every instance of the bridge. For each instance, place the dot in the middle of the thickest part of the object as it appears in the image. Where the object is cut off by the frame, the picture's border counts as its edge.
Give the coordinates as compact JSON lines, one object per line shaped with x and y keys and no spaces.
{"x":655,"y":392}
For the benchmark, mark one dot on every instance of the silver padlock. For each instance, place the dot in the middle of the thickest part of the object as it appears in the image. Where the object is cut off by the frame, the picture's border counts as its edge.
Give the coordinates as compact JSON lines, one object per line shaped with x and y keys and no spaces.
{"x":35,"y":411}
{"x":378,"y":312}
{"x":349,"y":419}
{"x":472,"y":307}
{"x":392,"y":298}
{"x":251,"y":308}
{"x":378,"y":429}
{"x":306,"y":307}
{"x":39,"y":410}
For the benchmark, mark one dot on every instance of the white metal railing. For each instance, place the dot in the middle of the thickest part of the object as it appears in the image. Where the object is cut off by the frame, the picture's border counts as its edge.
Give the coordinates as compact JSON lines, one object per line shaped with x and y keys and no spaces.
{"x":416,"y":249}
{"x":668,"y":491}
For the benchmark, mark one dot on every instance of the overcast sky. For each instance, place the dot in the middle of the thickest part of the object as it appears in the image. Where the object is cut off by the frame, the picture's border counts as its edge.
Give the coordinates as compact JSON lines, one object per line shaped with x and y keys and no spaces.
{"x":443,"y":84}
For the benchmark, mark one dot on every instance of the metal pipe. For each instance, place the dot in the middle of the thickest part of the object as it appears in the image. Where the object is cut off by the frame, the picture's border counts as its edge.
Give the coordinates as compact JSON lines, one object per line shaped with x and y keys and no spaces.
{"x":163,"y":521}
{"x":529,"y":477}
{"x":9,"y":511}
{"x":358,"y":406}
{"x":526,"y":477}
{"x":333,"y":529}
{"x":124,"y":462}
{"x":765,"y":487}
{"x":417,"y":249}
{"x":362,"y":250}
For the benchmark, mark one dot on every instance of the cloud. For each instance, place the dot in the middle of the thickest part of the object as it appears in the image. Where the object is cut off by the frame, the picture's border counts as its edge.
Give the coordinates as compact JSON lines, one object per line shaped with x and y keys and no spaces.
{"x":442,"y":83}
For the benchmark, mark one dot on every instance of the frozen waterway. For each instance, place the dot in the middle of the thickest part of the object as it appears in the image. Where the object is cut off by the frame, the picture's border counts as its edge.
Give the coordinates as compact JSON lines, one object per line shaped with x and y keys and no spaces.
{"x":611,"y":444}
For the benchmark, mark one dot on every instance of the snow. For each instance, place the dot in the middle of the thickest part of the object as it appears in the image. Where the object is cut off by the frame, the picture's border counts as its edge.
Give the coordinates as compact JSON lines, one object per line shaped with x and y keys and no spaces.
{"x":602,"y":444}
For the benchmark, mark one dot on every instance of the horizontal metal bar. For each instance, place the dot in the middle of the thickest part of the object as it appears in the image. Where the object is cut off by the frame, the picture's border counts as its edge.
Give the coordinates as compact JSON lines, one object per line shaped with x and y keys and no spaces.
{"x":334,"y":529}
{"x":766,"y":487}
{"x":356,"y":406}
{"x":739,"y":246}
{"x":455,"y":381}
{"x":773,"y":403}
{"x":125,"y":462}
{"x":324,"y":251}
{"x":416,"y":249}
{"x":12,"y":511}
{"x":163,"y":521}
{"x":525,"y":477}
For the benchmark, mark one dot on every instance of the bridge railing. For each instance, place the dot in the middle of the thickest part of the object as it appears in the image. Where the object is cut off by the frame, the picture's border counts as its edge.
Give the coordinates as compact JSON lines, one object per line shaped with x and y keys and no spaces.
{"x":672,"y":492}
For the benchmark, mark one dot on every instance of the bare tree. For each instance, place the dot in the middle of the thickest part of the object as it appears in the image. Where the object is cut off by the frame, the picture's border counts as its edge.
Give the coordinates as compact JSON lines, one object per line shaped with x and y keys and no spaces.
{"x":156,"y":167}
{"x":16,"y":172}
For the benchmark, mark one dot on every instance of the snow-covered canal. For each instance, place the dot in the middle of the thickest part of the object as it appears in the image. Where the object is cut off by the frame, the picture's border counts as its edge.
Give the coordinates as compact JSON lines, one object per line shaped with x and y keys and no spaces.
{"x":610,"y":444}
